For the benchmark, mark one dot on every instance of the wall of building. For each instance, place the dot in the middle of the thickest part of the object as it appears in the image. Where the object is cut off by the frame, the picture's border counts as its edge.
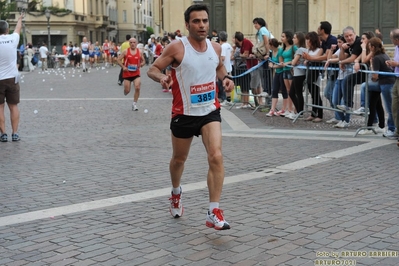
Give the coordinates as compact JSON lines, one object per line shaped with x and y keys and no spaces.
{"x":241,"y":12}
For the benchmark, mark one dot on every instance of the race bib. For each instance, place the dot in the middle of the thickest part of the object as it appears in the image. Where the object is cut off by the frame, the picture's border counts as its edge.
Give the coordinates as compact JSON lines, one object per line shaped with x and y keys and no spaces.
{"x":132,"y":67}
{"x":203,"y":94}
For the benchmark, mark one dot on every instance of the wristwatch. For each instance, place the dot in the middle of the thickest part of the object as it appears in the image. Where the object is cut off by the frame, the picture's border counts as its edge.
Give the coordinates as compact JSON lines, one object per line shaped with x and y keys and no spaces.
{"x":227,"y":77}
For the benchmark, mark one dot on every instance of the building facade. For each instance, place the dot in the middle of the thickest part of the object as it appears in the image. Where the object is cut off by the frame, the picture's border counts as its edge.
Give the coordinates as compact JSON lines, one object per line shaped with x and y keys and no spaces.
{"x":98,"y":20}
{"x":295,"y":15}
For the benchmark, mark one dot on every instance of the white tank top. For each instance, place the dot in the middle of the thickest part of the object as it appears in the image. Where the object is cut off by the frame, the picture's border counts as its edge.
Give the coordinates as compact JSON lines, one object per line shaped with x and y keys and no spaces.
{"x":194,"y":87}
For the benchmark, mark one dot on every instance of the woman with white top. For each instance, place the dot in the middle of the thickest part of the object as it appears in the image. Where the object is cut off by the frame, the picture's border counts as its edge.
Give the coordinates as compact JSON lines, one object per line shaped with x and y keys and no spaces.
{"x":296,"y":91}
{"x":313,"y":44}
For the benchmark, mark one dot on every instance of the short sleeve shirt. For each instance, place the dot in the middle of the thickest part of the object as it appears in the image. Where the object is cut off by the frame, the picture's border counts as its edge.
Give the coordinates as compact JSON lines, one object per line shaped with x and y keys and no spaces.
{"x":262,"y":31}
{"x":355,"y":48}
{"x":380,"y":66}
{"x":275,"y":59}
{"x":247,"y":46}
{"x":300,"y":71}
{"x":8,"y":55}
{"x":326,"y":45}
{"x":226,"y":53}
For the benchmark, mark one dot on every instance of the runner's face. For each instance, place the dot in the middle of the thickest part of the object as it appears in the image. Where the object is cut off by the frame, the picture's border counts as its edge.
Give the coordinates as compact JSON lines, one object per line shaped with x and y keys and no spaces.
{"x":132,"y":43}
{"x":198,"y":25}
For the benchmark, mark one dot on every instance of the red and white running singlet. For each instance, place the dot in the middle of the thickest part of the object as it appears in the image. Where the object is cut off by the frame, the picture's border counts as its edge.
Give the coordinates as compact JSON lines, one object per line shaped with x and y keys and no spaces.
{"x":194,"y":81}
{"x":132,"y":63}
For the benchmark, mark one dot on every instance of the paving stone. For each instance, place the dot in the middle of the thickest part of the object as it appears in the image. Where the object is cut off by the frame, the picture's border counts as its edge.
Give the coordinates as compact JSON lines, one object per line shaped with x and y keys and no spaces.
{"x":278,"y":219}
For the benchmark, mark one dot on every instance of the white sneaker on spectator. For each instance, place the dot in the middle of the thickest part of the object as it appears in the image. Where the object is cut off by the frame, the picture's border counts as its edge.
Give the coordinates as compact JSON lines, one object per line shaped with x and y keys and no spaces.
{"x":379,"y":130}
{"x":359,"y":111}
{"x":338,"y":124}
{"x":332,"y":121}
{"x":291,"y":116}
{"x":366,"y":132}
{"x":343,"y":107}
{"x":288,"y":114}
{"x":343,"y":124}
{"x":243,"y":106}
{"x":225,"y":103}
{"x":388,"y":134}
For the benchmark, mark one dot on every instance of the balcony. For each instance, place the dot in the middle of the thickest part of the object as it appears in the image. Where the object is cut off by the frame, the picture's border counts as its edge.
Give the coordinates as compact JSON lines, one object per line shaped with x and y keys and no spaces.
{"x":140,"y":27}
{"x":102,"y":21}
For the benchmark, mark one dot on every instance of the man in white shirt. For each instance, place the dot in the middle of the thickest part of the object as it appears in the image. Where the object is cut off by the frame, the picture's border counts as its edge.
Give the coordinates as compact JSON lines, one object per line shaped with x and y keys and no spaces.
{"x":43,"y":55}
{"x":226,"y":53}
{"x":9,"y":78}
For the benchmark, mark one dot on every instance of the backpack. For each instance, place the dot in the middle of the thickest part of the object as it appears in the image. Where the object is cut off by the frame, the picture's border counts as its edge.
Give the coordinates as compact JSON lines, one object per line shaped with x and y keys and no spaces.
{"x":34,"y":60}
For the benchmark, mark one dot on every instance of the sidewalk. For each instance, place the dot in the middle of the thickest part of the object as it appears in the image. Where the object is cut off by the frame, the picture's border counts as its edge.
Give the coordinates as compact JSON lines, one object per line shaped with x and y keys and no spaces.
{"x":88,"y":184}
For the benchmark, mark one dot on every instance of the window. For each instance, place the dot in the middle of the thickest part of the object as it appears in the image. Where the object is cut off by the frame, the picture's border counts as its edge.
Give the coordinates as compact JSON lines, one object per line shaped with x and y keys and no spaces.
{"x":135,"y":15}
{"x":124,"y":16}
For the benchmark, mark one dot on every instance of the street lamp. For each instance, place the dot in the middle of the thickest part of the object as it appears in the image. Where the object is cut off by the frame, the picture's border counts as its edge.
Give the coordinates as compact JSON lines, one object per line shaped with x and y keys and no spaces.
{"x":48,"y":15}
{"x":22,"y":6}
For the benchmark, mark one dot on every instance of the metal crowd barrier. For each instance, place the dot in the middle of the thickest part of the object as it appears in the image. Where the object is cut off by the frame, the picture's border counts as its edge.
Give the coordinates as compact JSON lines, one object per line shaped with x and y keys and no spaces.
{"x":242,"y":79}
{"x":320,"y":94}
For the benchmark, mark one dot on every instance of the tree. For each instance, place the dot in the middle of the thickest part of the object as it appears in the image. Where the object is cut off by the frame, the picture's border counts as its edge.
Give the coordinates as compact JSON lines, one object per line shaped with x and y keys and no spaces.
{"x":5,"y":9}
{"x":148,"y":33}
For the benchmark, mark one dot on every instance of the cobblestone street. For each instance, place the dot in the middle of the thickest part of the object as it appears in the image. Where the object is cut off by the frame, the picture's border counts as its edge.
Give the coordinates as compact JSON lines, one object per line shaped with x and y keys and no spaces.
{"x":88,"y":184}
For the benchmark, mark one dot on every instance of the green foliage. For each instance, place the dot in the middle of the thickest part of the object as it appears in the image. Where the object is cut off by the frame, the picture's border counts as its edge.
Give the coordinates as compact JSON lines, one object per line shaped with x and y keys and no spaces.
{"x":54,"y":9}
{"x":5,"y":9}
{"x":147,"y":34}
{"x":150,"y":31}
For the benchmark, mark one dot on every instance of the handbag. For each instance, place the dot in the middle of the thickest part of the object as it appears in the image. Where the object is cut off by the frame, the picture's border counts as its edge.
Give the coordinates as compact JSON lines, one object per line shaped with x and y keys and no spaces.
{"x":259,"y":50}
{"x":34,"y":60}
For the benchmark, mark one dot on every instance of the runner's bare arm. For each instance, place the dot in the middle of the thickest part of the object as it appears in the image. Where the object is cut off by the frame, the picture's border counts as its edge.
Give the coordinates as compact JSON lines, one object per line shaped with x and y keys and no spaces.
{"x":172,"y":54}
{"x":120,"y":58}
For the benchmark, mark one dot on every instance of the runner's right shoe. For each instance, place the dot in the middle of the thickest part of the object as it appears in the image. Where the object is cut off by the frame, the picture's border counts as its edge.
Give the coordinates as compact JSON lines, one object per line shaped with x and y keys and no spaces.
{"x":176,"y":207}
{"x":216,"y":220}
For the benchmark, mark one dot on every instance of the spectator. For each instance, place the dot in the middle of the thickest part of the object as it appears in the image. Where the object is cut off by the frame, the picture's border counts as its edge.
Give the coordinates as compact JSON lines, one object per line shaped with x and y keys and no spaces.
{"x":313,"y":45}
{"x":21,"y":57}
{"x":76,"y":52}
{"x":157,"y":48}
{"x":379,"y":58}
{"x":65,"y":49}
{"x":364,"y":58}
{"x":9,"y":78}
{"x":215,"y":37}
{"x":262,"y":35}
{"x":225,"y":56}
{"x":43,"y":55}
{"x":178,"y":35}
{"x":278,"y":81}
{"x":245,"y":51}
{"x":296,"y":91}
{"x":351,"y":51}
{"x":30,"y":54}
{"x":394,"y":35}
{"x":285,"y":59}
{"x":328,"y":44}
{"x":344,"y":71}
{"x":378,"y":34}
